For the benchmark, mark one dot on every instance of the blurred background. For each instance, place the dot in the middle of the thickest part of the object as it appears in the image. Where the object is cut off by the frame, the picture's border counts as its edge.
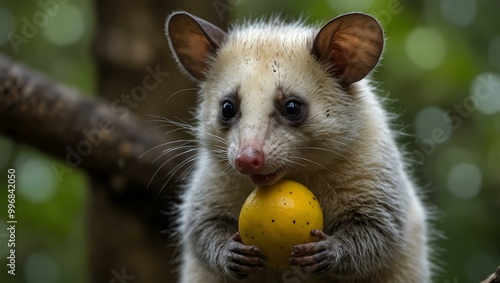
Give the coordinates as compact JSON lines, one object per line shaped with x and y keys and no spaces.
{"x":440,"y":73}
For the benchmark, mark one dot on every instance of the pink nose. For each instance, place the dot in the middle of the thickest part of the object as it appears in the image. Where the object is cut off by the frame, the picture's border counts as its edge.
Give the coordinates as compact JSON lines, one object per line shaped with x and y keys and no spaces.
{"x":249,"y":161}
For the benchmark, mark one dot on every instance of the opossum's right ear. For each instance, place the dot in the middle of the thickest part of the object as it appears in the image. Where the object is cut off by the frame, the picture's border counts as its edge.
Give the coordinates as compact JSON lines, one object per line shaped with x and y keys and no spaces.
{"x":193,"y":40}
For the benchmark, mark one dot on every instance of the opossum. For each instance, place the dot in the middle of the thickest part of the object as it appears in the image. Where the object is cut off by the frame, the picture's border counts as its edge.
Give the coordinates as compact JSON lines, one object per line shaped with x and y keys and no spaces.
{"x":292,"y":101}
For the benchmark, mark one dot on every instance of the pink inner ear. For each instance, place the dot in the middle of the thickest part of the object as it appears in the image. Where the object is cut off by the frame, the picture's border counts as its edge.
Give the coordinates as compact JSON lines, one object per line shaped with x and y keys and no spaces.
{"x":339,"y":62}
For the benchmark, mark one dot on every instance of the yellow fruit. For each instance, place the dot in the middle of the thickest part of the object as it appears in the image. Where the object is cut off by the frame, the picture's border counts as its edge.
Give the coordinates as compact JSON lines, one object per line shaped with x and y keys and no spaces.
{"x":278,"y":217}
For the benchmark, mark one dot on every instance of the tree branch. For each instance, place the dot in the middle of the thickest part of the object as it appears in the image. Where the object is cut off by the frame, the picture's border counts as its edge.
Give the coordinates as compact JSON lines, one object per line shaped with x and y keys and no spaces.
{"x":106,"y":142}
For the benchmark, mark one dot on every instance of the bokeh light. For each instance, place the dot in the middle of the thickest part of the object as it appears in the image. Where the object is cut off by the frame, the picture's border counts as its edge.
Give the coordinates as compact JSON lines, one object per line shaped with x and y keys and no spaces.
{"x":426,"y":48}
{"x":429,"y":124}
{"x":464,"y":180}
{"x":459,"y":12}
{"x":41,"y":268}
{"x":36,"y":181}
{"x":66,"y":27}
{"x":485,"y":93}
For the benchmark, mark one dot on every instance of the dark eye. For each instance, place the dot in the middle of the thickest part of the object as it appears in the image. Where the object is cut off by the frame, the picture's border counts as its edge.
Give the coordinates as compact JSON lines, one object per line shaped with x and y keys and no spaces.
{"x":227,"y":110}
{"x":292,"y":110}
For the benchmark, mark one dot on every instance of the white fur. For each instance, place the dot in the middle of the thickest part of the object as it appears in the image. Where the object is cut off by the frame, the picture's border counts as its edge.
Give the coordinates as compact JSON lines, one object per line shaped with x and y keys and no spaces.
{"x":345,"y":153}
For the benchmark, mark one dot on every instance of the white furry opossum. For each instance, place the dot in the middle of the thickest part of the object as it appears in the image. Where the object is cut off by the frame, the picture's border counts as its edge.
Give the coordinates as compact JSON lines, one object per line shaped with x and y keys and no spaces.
{"x":280,"y":100}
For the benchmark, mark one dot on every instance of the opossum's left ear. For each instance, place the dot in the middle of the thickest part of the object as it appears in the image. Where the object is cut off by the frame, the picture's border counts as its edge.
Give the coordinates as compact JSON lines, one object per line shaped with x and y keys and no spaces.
{"x":351,"y":44}
{"x":193,"y":40}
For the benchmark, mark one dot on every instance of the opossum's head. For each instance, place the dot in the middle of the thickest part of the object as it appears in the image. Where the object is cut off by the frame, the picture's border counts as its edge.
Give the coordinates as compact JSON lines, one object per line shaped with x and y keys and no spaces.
{"x":277,"y":99}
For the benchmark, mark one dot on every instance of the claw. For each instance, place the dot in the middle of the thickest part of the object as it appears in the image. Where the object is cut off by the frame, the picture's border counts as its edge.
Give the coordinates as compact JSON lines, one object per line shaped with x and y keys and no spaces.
{"x":242,"y":260}
{"x":316,"y":257}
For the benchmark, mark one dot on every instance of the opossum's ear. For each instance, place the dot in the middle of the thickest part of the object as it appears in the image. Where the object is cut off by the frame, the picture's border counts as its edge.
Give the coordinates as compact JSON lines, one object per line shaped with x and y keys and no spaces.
{"x":352,"y":44}
{"x":193,"y":40}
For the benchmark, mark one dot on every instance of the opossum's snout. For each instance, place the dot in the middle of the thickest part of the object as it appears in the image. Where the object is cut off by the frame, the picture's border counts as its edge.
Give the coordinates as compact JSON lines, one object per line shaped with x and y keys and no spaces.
{"x":250,"y":161}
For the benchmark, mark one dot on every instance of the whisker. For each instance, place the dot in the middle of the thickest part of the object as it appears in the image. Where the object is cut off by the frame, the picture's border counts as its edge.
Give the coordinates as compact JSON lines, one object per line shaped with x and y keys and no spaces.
{"x":331,"y":151}
{"x":175,"y":169}
{"x":188,"y":170}
{"x":163,"y":164}
{"x":292,"y":164}
{"x":158,"y":119}
{"x":164,"y":126}
{"x":349,"y":146}
{"x":171,"y":149}
{"x":164,"y":144}
{"x":312,"y":162}
{"x":179,"y":91}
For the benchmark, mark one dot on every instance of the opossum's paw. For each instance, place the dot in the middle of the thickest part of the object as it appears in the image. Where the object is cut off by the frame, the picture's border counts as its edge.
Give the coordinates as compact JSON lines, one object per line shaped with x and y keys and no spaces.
{"x":316,"y":257}
{"x":242,"y":259}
